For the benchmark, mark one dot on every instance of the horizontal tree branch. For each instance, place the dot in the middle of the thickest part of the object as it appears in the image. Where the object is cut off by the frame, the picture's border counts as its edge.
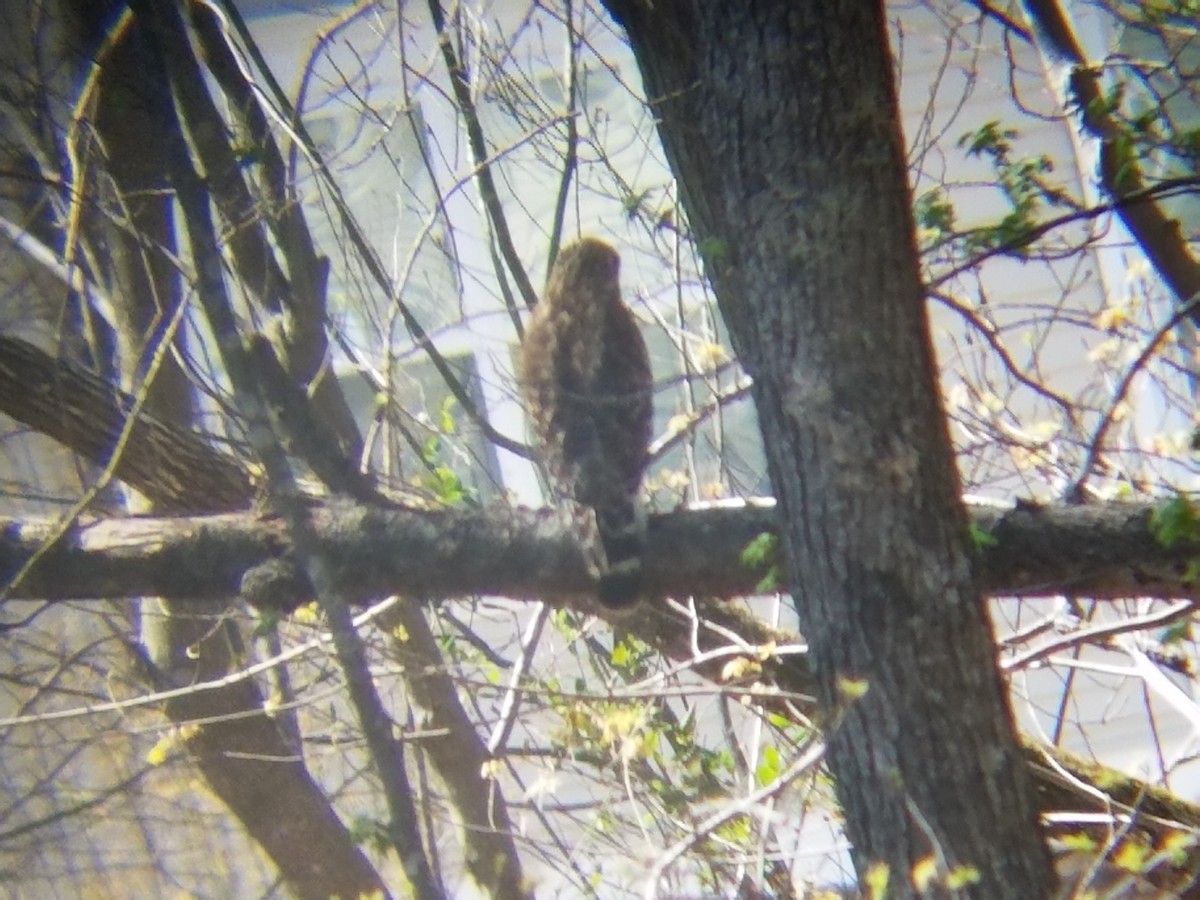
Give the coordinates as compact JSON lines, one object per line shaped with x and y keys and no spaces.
{"x":179,"y":469}
{"x":1104,"y":551}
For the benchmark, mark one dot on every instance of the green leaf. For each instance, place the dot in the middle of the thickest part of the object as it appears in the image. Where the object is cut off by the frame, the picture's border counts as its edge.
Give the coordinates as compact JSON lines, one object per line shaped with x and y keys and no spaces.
{"x":632,"y":203}
{"x":366,"y":830}
{"x":268,"y":621}
{"x":448,"y":424}
{"x":1174,"y":521}
{"x":621,"y":655}
{"x":769,"y":583}
{"x":934,"y":211}
{"x":1176,"y":633}
{"x":770,"y":766}
{"x":713,"y":251}
{"x":981,"y":539}
{"x":448,"y":485}
{"x":761,"y":551}
{"x":988,"y":140}
{"x":961,"y":877}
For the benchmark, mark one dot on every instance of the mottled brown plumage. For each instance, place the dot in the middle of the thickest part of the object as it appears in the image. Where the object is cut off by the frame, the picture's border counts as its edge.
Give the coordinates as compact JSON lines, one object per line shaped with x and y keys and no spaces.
{"x":585,"y":375}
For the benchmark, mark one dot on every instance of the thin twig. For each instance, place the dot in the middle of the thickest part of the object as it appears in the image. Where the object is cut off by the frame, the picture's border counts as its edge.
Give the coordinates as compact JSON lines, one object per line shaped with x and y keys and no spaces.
{"x":745,"y":806}
{"x":1074,"y":491}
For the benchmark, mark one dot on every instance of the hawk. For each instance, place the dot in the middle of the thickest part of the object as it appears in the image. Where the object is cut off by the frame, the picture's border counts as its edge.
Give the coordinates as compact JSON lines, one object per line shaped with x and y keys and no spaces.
{"x":585,"y":376}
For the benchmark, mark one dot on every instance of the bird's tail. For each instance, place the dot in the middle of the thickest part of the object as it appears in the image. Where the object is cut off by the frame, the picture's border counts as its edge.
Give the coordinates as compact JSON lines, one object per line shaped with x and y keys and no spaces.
{"x":622,"y":534}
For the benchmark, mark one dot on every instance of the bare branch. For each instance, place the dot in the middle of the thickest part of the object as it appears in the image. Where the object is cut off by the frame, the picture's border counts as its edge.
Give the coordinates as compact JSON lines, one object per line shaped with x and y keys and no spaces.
{"x":1102,"y":552}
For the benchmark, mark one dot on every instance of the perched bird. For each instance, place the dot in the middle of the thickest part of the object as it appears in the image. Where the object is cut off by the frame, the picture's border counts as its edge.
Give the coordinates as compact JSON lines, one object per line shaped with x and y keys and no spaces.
{"x":585,"y":376}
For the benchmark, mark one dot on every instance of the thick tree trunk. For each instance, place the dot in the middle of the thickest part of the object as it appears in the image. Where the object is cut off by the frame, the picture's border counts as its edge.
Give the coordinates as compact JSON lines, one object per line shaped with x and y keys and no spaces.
{"x":780,"y":120}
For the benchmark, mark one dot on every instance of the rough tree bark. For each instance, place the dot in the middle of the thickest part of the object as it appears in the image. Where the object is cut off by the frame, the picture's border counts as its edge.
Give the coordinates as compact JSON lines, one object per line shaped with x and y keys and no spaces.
{"x":780,"y":120}
{"x":103,"y":114}
{"x":1102,"y":552}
